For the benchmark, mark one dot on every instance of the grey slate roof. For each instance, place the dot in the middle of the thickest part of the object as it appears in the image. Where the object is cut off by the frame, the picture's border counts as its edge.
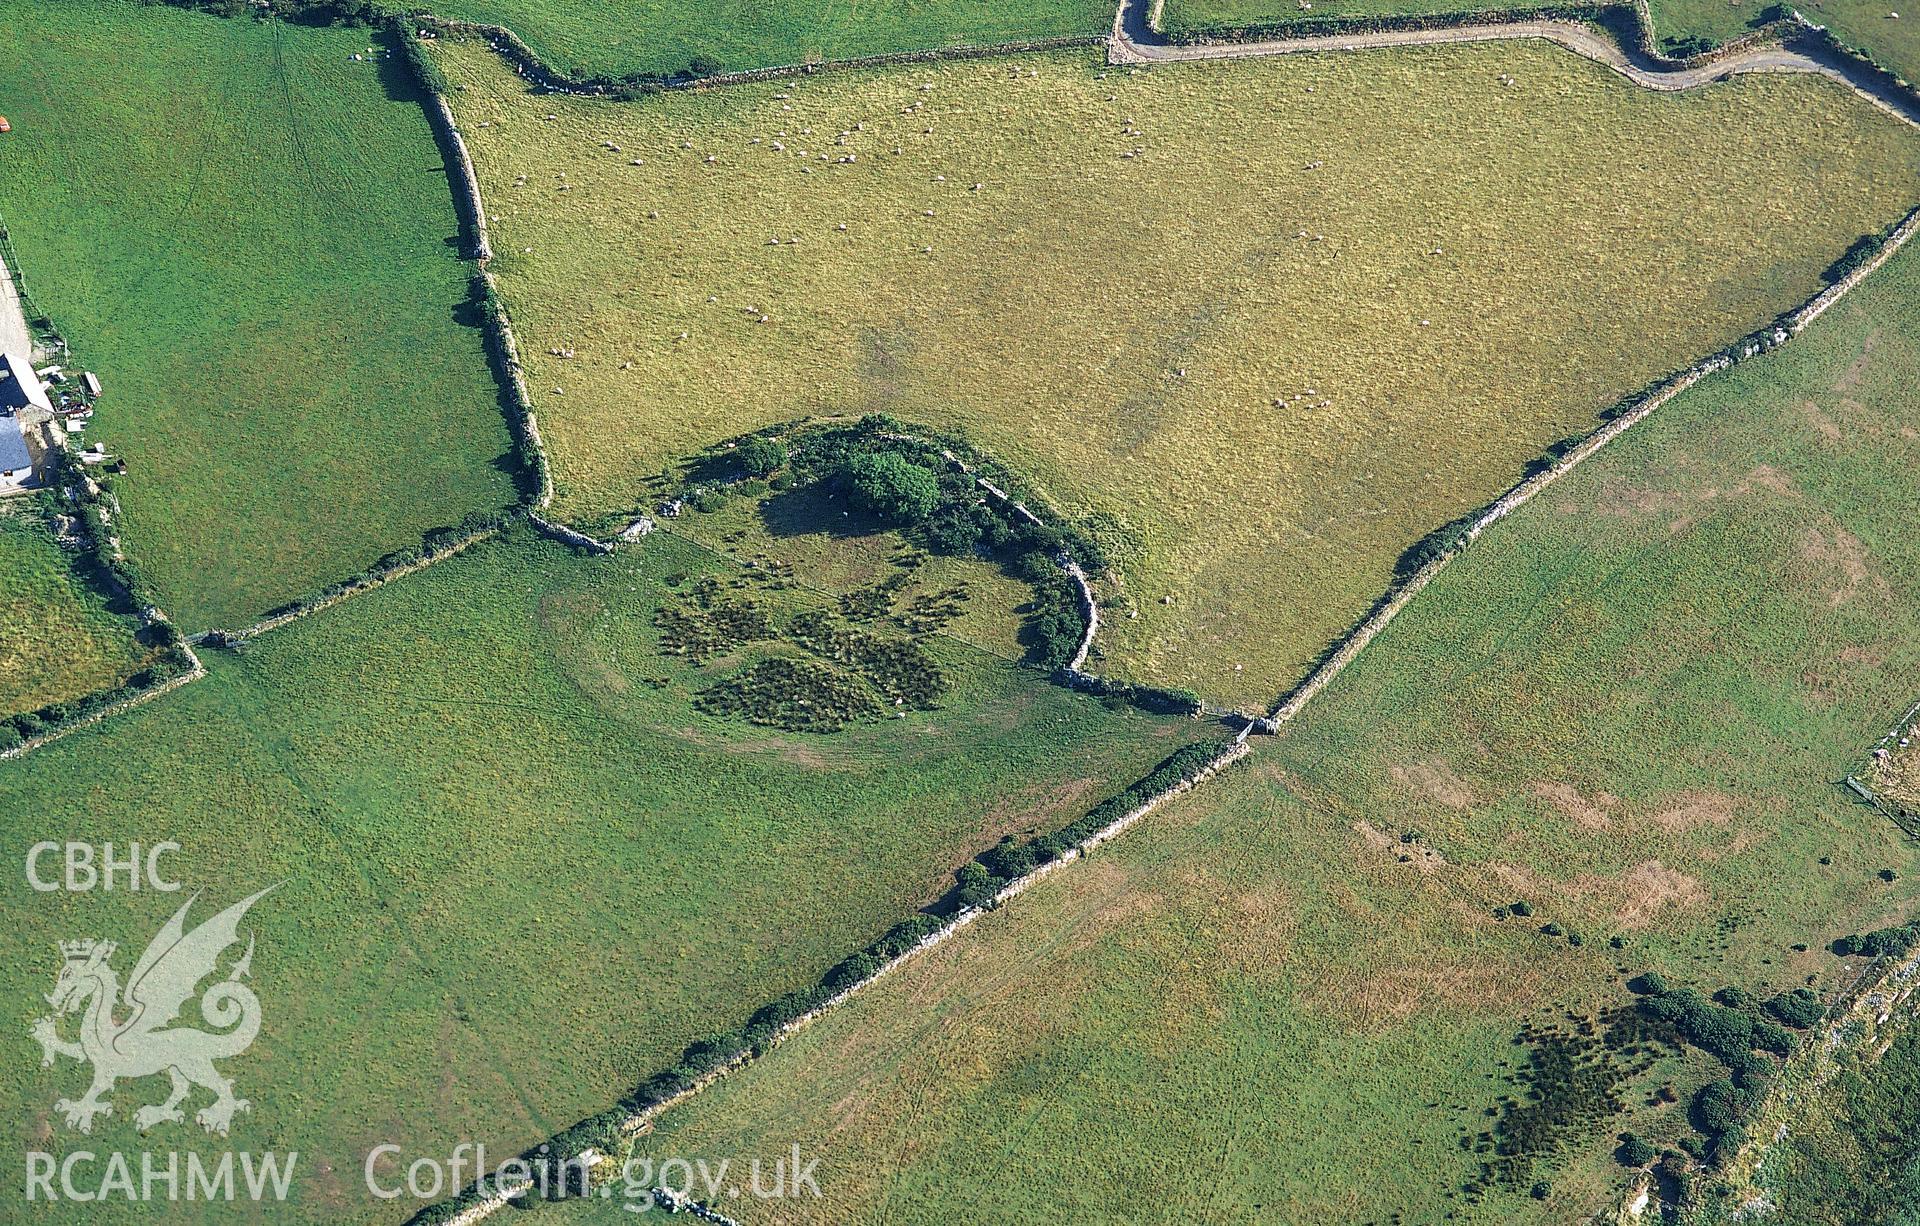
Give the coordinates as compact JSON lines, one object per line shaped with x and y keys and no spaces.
{"x":13,"y":446}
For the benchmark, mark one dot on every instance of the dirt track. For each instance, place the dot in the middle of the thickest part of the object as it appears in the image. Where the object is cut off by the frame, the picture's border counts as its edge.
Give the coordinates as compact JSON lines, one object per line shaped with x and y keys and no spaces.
{"x":14,"y":337}
{"x":1134,"y":41}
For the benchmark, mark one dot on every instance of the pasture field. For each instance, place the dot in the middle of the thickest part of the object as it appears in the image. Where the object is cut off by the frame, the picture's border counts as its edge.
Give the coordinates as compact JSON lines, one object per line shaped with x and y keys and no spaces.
{"x":1625,"y":706}
{"x":1865,"y":24}
{"x":515,"y":854}
{"x":1274,"y":320}
{"x":621,"y":37}
{"x":261,"y":269}
{"x":59,"y":639}
{"x":1892,"y":40}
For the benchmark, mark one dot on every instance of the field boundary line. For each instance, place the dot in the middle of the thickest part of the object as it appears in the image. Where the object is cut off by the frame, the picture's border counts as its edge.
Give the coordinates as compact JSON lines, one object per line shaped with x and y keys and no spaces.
{"x":347,"y":590}
{"x":1627,"y":414}
{"x":499,"y":325}
{"x":1870,"y":779}
{"x":1089,"y":607}
{"x":1138,"y":39}
{"x":488,"y":1195}
{"x":1859,"y":1020}
{"x":530,"y":66}
{"x":84,"y":495}
{"x":194,"y":672}
{"x":470,"y":206}
{"x":1793,"y":45}
{"x":1135,"y":40}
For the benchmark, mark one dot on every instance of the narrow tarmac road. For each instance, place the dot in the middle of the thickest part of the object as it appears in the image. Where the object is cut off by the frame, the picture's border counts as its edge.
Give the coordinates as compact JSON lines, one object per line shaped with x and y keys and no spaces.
{"x":1135,"y":41}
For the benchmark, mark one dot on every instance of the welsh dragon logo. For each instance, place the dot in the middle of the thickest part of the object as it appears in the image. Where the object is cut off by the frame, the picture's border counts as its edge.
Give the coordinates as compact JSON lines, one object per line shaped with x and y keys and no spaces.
{"x":141,"y":1042}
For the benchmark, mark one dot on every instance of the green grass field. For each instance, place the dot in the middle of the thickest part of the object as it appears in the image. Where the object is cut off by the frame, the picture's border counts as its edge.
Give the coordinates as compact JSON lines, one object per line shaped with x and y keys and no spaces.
{"x":59,"y":639}
{"x":1288,"y":997}
{"x":1271,"y":418}
{"x":260,"y":268}
{"x":1181,"y":17}
{"x":617,"y":37}
{"x":1865,"y":24}
{"x":522,"y":871}
{"x":1874,"y":28}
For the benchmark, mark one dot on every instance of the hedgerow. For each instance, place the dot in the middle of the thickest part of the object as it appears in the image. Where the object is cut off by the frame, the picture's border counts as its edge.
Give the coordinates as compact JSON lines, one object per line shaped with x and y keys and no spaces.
{"x":1881,"y":942}
{"x":1314,"y":27}
{"x":92,"y":504}
{"x":604,"y":1132}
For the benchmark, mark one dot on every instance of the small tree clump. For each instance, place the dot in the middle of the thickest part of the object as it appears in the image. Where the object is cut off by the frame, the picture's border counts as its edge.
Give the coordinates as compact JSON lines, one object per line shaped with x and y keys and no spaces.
{"x":891,"y":487}
{"x":760,"y":456}
{"x":1634,"y":1150}
{"x":1799,"y":1008}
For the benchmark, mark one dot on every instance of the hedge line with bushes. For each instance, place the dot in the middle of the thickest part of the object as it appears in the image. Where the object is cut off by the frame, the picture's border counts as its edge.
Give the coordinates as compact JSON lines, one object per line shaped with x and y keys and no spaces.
{"x":1631,"y":26}
{"x":1739,"y":1031}
{"x":55,"y":717}
{"x":69,"y":483}
{"x":1880,"y":943}
{"x":704,"y":69}
{"x":1451,"y":537}
{"x":977,"y":883}
{"x":297,"y":12}
{"x":1883,"y":76}
{"x":1157,"y":700}
{"x":434,"y":544}
{"x":498,"y":339}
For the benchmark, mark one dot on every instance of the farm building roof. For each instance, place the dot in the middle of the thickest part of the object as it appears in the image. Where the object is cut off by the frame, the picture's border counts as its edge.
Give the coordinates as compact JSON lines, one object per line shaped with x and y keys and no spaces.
{"x":13,"y":446}
{"x":20,"y":388}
